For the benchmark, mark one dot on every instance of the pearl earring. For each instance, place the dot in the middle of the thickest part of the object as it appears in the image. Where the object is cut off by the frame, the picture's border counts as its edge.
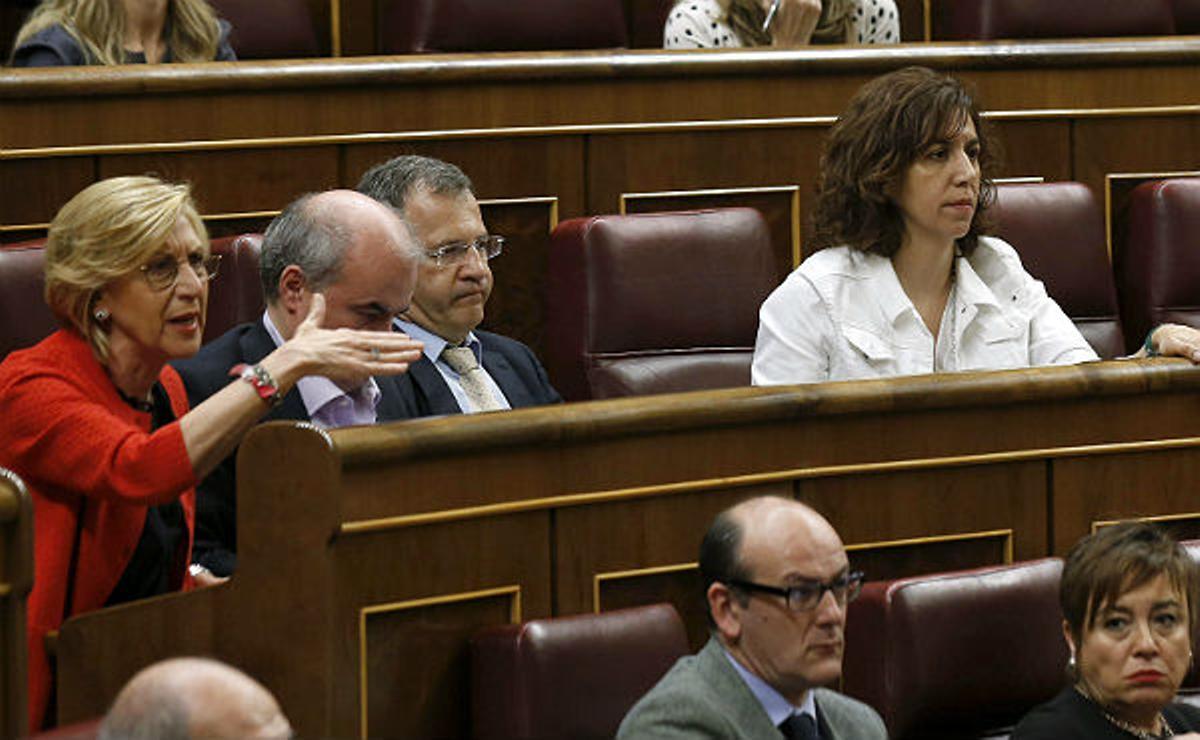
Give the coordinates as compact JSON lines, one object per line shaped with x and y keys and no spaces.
{"x":101,"y":315}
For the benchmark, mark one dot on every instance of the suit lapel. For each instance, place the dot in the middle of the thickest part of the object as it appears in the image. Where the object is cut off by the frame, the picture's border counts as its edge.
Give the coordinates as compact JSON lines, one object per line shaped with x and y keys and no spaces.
{"x":746,"y":713}
{"x":432,"y":386}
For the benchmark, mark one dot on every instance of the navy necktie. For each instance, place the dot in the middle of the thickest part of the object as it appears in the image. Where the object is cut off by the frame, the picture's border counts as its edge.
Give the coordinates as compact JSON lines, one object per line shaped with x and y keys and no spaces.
{"x":799,"y":727}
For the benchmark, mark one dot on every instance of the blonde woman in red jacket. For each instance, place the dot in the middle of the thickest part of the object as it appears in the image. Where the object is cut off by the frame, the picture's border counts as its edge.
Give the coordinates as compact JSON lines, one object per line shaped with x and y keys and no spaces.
{"x":98,"y":425}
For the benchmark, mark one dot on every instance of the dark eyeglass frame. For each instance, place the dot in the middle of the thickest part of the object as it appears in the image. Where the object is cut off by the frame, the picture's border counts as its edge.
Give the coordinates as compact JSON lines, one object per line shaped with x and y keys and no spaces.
{"x":806,"y":596}
{"x":486,"y":246}
{"x":206,"y":269}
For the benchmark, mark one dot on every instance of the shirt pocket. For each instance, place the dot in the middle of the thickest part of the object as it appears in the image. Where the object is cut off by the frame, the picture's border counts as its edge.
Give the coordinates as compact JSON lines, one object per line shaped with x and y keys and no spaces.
{"x":996,"y":342}
{"x":868,"y":354}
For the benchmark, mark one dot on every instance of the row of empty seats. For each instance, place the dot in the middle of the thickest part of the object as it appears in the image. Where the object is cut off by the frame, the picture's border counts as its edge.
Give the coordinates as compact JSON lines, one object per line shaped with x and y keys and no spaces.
{"x":667,"y":302}
{"x":277,"y":29}
{"x":957,"y":655}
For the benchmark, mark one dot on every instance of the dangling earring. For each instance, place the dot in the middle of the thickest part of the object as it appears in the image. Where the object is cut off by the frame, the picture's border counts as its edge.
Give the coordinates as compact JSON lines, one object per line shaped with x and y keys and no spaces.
{"x":101,"y":315}
{"x":1071,"y":662}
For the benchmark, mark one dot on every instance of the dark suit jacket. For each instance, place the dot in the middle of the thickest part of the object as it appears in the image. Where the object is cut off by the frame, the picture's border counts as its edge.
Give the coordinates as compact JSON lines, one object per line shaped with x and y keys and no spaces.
{"x":204,"y":374}
{"x":511,"y":364}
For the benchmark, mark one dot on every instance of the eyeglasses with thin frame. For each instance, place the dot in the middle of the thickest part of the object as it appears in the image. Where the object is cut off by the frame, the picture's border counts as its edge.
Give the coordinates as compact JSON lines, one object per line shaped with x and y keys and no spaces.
{"x":162,"y":272}
{"x":456,"y":253}
{"x":805,"y":596}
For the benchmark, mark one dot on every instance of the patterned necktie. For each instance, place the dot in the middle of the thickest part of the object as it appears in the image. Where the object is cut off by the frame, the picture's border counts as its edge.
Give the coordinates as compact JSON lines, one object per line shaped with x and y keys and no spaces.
{"x":471,"y":377}
{"x":799,"y":727}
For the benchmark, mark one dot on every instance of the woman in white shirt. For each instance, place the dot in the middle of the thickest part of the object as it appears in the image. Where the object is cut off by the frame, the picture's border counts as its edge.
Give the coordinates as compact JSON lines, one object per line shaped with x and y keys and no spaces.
{"x":710,"y":24}
{"x":907,"y":284}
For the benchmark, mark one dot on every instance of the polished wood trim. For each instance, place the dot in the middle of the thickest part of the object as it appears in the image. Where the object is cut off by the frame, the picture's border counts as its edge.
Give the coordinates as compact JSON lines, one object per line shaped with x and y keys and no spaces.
{"x":10,"y":504}
{"x":514,"y":616}
{"x":618,"y":575}
{"x":735,"y":407}
{"x":1007,"y":534}
{"x":277,"y":75}
{"x":335,"y":27}
{"x":206,"y":217}
{"x":500,"y":132}
{"x":734,"y":481}
{"x":5,"y":589}
{"x":1102,"y":523}
{"x":927,"y":21}
{"x":1032,"y":180}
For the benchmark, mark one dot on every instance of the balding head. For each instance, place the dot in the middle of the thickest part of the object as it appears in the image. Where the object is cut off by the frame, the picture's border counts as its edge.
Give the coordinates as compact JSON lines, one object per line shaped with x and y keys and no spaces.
{"x":193,"y":698}
{"x":347,"y":246}
{"x":751,"y":556}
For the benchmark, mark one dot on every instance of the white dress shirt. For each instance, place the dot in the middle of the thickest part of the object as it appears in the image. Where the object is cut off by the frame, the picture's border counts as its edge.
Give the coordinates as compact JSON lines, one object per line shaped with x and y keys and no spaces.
{"x":842,"y":315}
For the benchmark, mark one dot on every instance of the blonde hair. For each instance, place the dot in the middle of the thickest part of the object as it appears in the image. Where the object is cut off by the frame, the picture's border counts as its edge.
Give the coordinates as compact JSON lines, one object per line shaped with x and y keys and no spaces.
{"x":107,"y":231}
{"x":746,"y":18}
{"x":99,"y":27}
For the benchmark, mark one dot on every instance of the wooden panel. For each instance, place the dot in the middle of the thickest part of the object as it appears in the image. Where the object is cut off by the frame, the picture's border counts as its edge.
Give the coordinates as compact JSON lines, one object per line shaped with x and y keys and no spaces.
{"x":912,"y":20}
{"x":680,"y":585}
{"x":515,"y":308}
{"x":233,"y":181}
{"x":1134,"y":144}
{"x":651,"y":162}
{"x":1034,"y":148}
{"x":882,"y":561}
{"x":412,"y":647}
{"x":780,"y":206}
{"x":499,"y":166}
{"x":34,"y":189}
{"x":1100,"y":489}
{"x":909,"y":505}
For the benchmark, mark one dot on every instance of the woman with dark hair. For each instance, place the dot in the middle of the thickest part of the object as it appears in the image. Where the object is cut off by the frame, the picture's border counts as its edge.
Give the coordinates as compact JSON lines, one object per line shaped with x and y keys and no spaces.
{"x":708,"y":24}
{"x":1128,"y":598}
{"x":905,"y":282}
{"x":83,"y":32}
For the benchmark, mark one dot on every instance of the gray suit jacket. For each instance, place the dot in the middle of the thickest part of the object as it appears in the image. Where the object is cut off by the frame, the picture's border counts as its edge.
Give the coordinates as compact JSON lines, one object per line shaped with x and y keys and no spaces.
{"x":702,"y":696}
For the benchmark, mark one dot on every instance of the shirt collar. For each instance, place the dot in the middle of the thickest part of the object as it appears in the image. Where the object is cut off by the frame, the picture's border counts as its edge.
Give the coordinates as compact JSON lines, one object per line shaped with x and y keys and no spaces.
{"x":777,"y":708}
{"x":316,"y":390}
{"x":435,"y":344}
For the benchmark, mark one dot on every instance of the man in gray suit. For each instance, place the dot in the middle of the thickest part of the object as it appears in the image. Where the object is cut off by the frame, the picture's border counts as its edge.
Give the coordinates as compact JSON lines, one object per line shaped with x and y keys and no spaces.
{"x":777,"y":584}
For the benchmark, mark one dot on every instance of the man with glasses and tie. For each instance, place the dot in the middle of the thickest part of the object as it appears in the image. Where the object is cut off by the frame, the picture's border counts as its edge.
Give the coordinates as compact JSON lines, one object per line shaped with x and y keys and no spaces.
{"x":777,"y":582}
{"x":464,"y":369}
{"x":362,"y":258}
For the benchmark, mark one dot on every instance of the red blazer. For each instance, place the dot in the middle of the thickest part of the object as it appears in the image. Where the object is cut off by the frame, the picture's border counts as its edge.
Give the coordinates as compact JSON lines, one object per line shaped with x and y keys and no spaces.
{"x":80,"y":448}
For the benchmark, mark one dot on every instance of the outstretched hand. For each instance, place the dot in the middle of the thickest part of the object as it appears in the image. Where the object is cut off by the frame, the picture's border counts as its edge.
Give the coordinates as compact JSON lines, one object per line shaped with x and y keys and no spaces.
{"x":349,"y":355}
{"x":1177,"y":340}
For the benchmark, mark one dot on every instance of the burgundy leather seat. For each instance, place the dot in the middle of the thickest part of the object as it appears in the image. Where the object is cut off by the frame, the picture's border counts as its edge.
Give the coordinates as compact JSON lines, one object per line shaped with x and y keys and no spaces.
{"x":25,"y":319}
{"x":234,"y":297}
{"x":1158,"y":271}
{"x":1029,"y":19}
{"x":570,"y":677}
{"x":657,"y":302}
{"x":963,"y":654}
{"x":1058,"y":229}
{"x":419,"y":26}
{"x":270,"y":29}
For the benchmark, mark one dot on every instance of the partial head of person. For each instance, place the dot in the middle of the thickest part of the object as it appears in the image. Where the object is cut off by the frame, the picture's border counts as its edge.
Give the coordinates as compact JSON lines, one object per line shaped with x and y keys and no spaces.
{"x":777,"y":581}
{"x":102,"y":27}
{"x":185,"y":698}
{"x":435,"y":198}
{"x":1128,"y":597}
{"x":908,"y":160}
{"x":346,"y":246}
{"x":127,"y":267}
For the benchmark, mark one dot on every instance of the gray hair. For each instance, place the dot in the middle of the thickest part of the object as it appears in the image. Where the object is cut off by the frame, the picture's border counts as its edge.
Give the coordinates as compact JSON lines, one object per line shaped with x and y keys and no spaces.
{"x":158,"y":714}
{"x":299,"y":236}
{"x":393,"y":181}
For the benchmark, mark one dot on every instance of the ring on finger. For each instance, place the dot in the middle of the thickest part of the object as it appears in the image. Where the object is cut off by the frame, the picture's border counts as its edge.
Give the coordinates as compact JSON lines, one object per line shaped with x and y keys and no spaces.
{"x":375,"y":354}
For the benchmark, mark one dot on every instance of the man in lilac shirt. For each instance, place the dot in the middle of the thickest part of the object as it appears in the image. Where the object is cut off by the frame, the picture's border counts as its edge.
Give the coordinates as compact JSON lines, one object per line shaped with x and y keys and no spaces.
{"x":363,"y":259}
{"x":777,"y":582}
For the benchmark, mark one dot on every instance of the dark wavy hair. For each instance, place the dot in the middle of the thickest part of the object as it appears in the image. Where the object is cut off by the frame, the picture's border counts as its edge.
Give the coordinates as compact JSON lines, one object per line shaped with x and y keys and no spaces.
{"x":888,"y":124}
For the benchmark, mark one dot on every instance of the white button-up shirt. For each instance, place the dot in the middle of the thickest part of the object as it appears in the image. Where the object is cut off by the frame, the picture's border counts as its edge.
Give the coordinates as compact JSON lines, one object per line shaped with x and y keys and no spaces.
{"x":842,"y":315}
